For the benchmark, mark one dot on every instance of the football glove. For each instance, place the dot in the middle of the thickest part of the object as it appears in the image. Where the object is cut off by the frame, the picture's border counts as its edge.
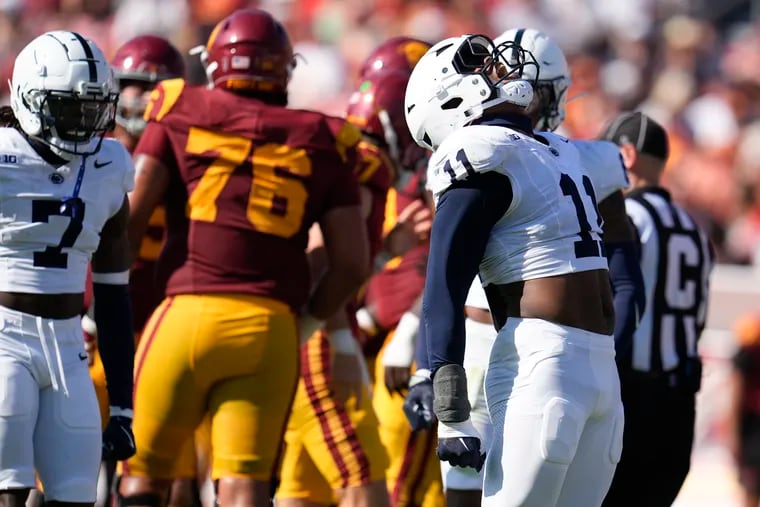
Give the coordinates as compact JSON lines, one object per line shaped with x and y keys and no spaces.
{"x":118,"y":440}
{"x":459,"y":444}
{"x":418,"y":404}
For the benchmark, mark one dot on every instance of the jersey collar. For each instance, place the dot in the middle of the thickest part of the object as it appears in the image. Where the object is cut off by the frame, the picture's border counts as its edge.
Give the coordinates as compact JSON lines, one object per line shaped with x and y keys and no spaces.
{"x":517,"y":122}
{"x":651,"y":190}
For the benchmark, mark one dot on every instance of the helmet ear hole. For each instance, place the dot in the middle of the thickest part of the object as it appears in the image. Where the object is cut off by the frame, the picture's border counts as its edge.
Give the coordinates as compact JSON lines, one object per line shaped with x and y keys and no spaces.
{"x":452,"y":103}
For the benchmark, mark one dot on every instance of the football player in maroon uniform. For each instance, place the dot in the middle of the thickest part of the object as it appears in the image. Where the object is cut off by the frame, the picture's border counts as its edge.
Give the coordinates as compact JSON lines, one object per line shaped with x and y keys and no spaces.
{"x":224,"y":343}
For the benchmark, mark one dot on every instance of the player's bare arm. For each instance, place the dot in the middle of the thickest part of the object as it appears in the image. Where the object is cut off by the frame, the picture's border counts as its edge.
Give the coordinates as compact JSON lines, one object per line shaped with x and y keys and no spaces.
{"x":345,"y":241}
{"x":112,"y":255}
{"x":151,"y":181}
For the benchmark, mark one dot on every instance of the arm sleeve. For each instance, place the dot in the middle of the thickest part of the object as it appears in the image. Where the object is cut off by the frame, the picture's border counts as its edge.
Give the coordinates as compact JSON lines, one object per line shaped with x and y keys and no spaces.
{"x":466,"y":213}
{"x":628,"y":293}
{"x":421,"y":351}
{"x":116,"y":340}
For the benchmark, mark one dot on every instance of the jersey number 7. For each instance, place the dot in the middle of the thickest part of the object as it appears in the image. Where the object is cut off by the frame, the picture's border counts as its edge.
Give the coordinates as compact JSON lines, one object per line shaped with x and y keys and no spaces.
{"x":277,"y":198}
{"x":53,"y":256}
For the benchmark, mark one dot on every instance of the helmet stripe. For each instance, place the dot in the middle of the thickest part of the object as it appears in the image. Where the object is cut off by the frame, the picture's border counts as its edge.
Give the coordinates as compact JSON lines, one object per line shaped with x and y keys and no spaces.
{"x":90,"y":57}
{"x":519,"y":36}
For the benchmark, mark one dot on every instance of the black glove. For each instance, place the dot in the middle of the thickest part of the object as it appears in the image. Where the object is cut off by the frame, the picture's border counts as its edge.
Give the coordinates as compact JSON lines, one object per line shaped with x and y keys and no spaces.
{"x":459,"y":444}
{"x":461,"y":452}
{"x":418,"y":404}
{"x":118,"y":440}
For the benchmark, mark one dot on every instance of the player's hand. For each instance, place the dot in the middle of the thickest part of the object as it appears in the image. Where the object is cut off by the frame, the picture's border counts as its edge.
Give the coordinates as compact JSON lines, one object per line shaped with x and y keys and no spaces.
{"x":459,"y":444}
{"x":397,"y":378}
{"x":118,"y":440}
{"x":418,"y":404}
{"x":412,"y":227}
{"x":348,"y":377}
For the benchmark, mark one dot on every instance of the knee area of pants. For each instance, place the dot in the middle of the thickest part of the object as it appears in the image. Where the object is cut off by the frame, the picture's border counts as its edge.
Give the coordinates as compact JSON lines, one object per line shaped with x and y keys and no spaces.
{"x":75,"y":491}
{"x":561,"y":428}
{"x":616,"y":442}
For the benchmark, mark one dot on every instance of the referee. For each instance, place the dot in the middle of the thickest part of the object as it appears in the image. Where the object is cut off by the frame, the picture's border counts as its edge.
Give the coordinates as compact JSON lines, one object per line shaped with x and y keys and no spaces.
{"x":660,"y":369}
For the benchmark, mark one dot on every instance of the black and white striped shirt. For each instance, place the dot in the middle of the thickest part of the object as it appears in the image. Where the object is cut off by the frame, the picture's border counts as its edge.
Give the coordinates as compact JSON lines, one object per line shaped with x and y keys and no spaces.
{"x":676,"y":261}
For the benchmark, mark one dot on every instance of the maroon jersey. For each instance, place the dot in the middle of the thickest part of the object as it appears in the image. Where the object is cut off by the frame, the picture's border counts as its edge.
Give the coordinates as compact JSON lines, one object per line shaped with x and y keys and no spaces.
{"x":257,"y":176}
{"x":393,"y":290}
{"x":375,"y":173}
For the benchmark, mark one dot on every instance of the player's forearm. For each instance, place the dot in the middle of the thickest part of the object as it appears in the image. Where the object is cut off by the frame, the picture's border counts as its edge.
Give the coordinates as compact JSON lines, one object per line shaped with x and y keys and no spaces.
{"x":628,"y":293}
{"x":334,"y":289}
{"x":421,"y":349}
{"x":338,"y":320}
{"x":116,"y":341}
{"x":461,"y":228}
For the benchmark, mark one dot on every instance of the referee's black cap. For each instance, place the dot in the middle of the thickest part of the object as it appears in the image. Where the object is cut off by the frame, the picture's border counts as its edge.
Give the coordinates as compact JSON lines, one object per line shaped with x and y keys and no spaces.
{"x":641,"y":131}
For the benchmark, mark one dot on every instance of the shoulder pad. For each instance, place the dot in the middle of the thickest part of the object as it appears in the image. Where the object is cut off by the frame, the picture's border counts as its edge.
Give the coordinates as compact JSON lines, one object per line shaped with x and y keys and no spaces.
{"x":604,"y":164}
{"x":347,"y":136}
{"x":375,"y":168}
{"x":163,"y":98}
{"x":470,"y":150}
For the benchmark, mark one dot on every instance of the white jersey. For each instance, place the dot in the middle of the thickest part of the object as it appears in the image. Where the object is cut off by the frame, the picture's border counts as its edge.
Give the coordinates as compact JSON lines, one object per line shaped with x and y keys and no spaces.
{"x":552,"y":226}
{"x":42,"y":250}
{"x":602,"y":161}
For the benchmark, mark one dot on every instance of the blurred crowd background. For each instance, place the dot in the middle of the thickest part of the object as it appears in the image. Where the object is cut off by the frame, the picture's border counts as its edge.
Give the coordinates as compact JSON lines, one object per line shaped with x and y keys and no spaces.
{"x":694,"y":65}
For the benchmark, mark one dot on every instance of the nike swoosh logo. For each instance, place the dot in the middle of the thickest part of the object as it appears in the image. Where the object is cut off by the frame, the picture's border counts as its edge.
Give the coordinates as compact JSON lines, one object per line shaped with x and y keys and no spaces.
{"x":129,"y":437}
{"x":83,"y":356}
{"x":99,"y":164}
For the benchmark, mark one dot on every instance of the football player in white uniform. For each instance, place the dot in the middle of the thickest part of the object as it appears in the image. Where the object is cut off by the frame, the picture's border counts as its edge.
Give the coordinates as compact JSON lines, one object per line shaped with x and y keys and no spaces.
{"x":63,"y":204}
{"x":607,"y":172}
{"x":521,"y":210}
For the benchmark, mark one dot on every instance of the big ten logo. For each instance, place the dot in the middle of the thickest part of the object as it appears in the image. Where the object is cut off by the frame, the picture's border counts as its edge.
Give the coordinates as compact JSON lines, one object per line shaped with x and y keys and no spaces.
{"x":8,"y":159}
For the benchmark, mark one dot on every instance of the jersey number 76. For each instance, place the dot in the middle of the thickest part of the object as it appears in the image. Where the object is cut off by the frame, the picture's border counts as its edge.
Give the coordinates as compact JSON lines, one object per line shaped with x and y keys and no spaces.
{"x":277,"y":198}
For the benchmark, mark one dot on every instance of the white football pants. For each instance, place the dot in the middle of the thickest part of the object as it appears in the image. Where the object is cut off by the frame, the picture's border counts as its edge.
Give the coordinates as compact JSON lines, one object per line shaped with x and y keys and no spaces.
{"x":49,"y":417}
{"x":553,"y":393}
{"x":480,"y":338}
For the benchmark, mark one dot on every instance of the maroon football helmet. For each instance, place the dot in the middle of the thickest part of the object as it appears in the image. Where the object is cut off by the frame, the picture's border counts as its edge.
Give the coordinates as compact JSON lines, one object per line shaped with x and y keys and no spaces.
{"x":148,"y":58}
{"x":138,"y":66}
{"x":377,"y":109}
{"x":249,"y":50}
{"x":396,"y":54}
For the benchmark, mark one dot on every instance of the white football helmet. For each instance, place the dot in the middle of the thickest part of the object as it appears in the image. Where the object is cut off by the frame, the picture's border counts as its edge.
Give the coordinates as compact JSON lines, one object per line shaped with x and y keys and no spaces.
{"x":63,"y":93}
{"x":554,"y":75}
{"x":459,"y":79}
